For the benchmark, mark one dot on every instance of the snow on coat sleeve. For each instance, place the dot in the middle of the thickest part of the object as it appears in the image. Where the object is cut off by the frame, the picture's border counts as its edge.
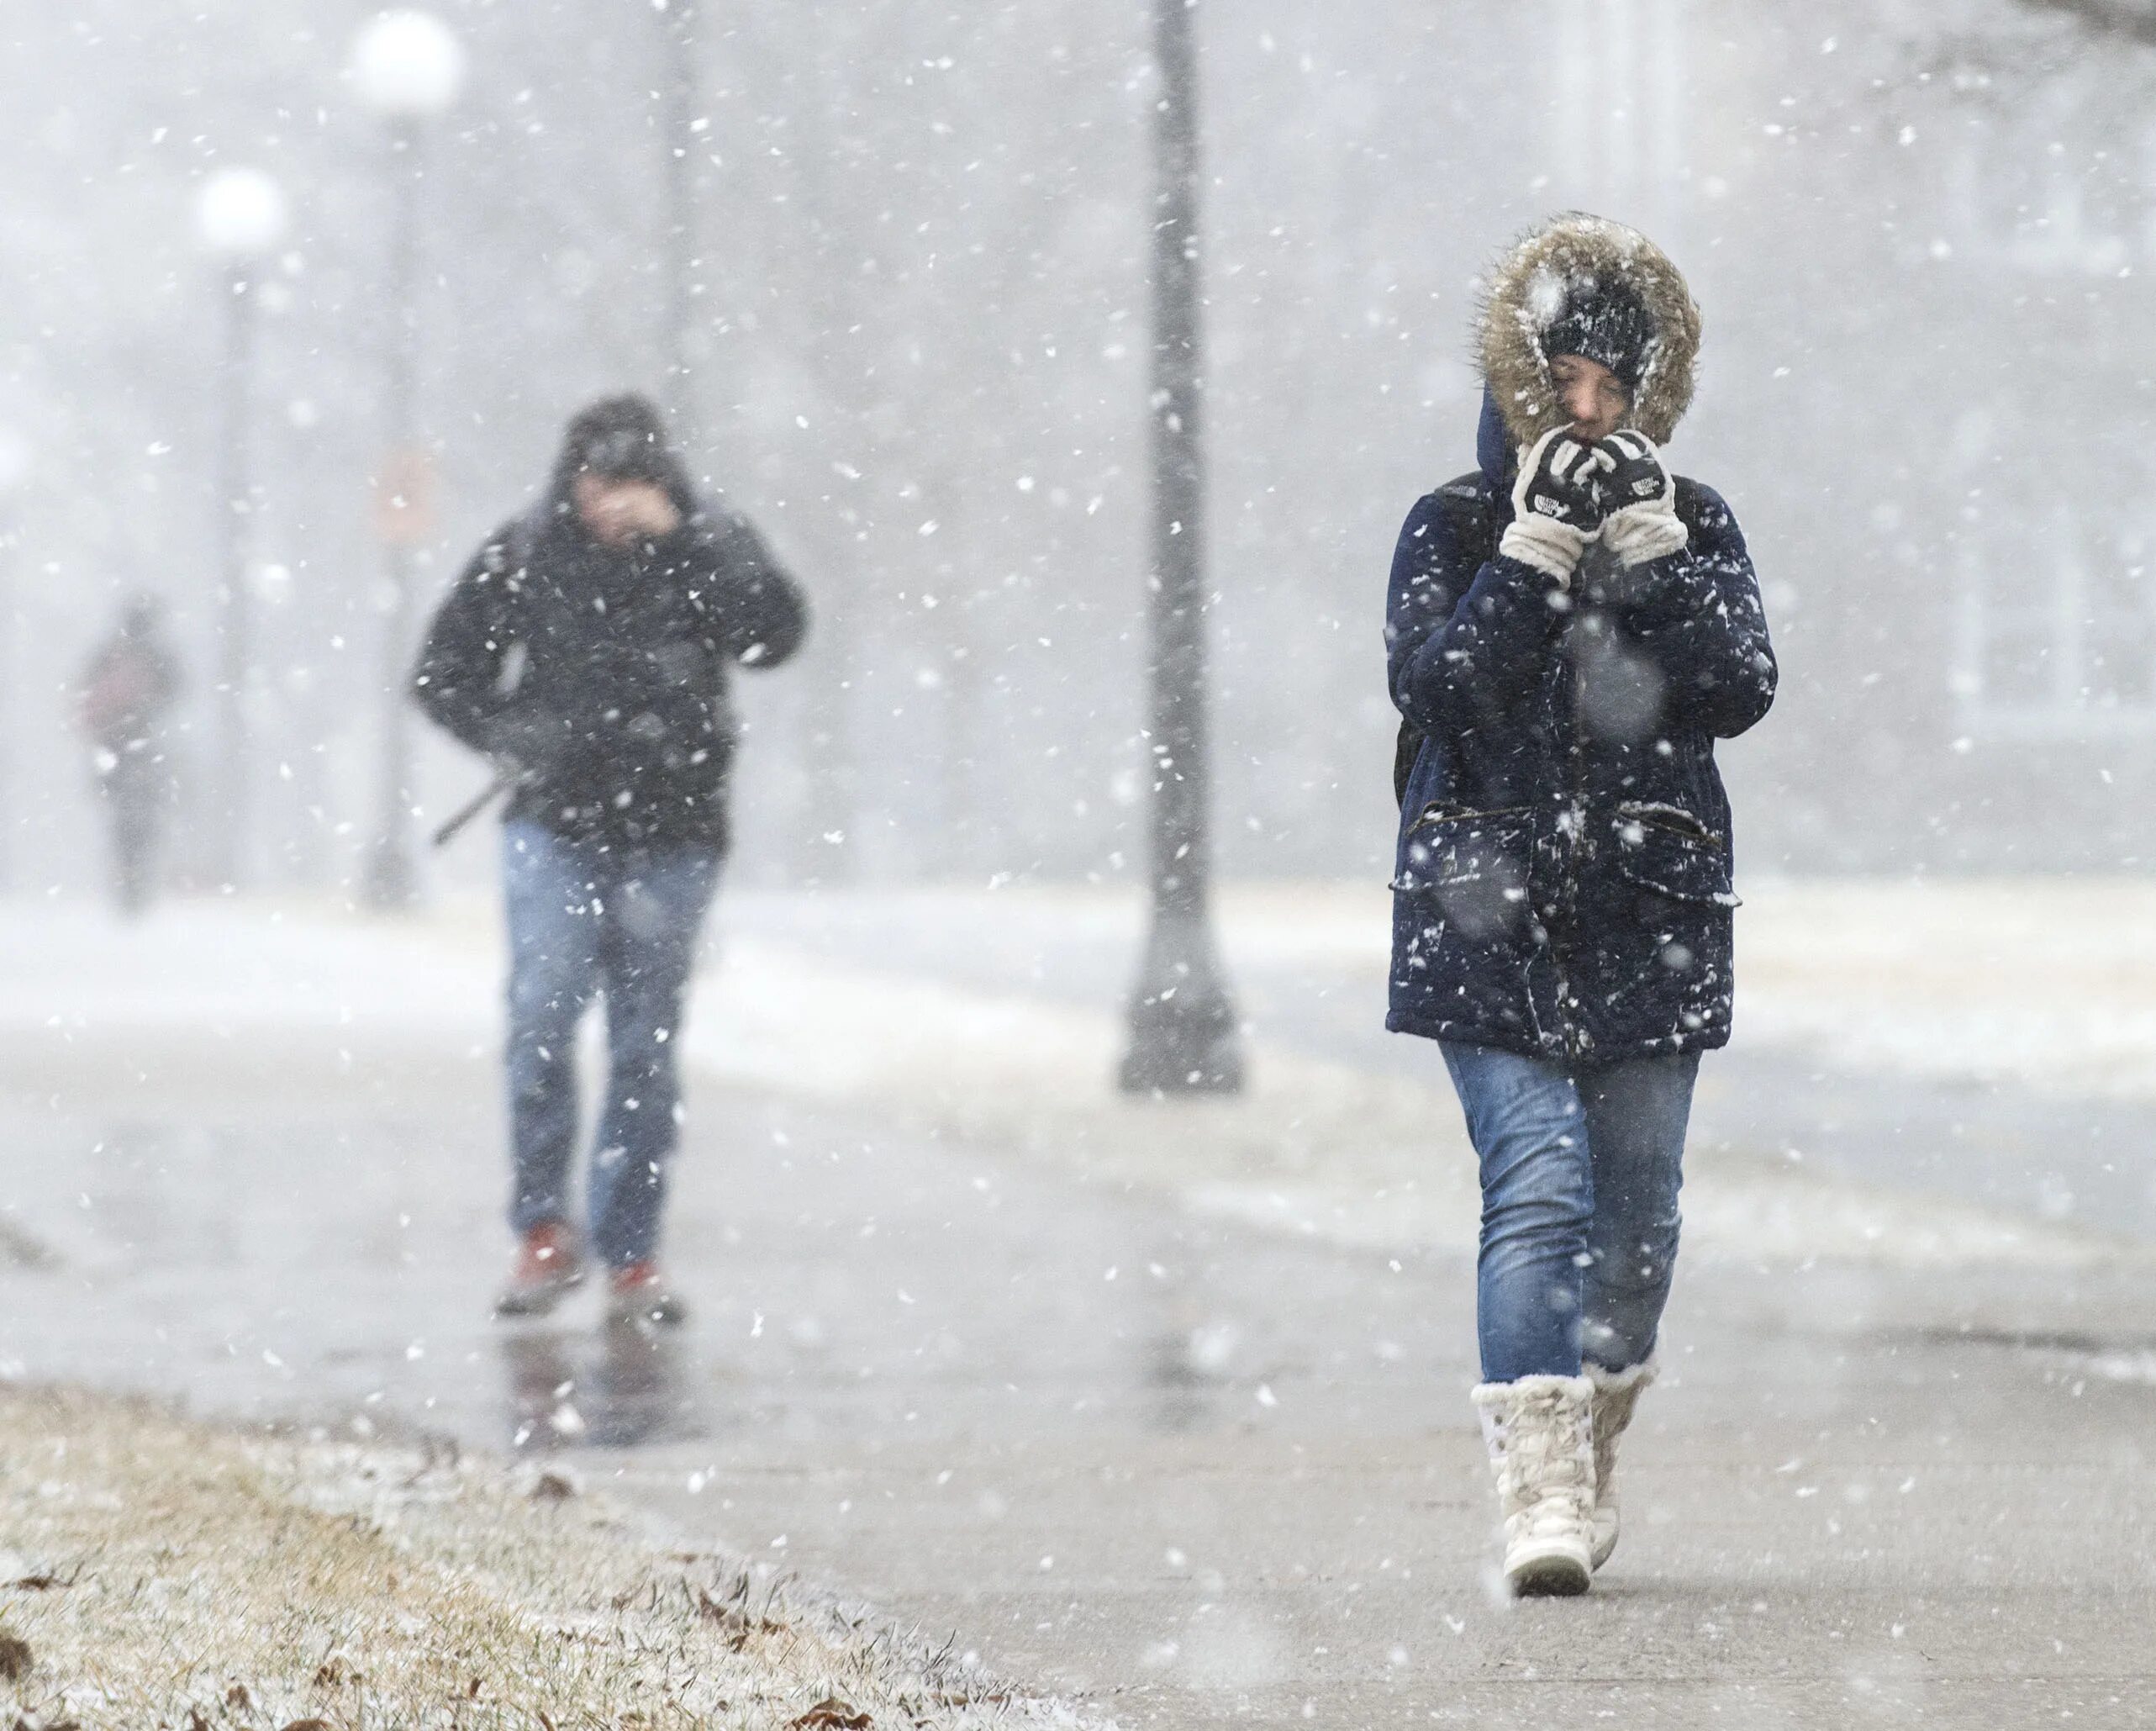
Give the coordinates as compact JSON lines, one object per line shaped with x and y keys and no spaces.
{"x":458,"y":679}
{"x":1701,"y":620}
{"x":1464,"y":645}
{"x":757,"y":613}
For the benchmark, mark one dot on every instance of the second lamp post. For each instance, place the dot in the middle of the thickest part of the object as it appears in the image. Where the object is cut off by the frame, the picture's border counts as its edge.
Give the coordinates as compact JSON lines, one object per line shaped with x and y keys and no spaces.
{"x":407,"y":67}
{"x":240,"y":214}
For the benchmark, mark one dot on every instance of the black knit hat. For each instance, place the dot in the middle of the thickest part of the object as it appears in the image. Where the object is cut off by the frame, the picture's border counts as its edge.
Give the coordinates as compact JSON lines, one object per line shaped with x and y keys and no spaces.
{"x":1603,"y":319}
{"x":622,"y":439}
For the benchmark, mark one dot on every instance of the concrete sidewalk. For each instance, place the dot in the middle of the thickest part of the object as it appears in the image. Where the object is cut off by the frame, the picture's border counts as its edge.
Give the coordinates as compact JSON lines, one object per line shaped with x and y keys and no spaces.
{"x":1197,"y":1471}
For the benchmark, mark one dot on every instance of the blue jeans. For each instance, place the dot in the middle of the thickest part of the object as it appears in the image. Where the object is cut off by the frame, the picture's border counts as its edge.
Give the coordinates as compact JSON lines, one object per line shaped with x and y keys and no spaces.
{"x":1580,"y":1170}
{"x":587,"y":917}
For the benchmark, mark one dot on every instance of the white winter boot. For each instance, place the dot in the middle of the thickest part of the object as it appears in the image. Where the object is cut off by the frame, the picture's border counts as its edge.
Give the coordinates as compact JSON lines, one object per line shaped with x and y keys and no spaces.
{"x":1616,"y":1393}
{"x":1543,"y":1452}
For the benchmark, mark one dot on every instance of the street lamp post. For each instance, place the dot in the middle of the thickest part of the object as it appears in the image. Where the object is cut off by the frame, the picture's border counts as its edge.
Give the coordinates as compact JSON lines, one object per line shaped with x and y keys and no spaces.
{"x":679,"y":252}
{"x":1183,"y":1034}
{"x":407,"y":67}
{"x":240,"y":216}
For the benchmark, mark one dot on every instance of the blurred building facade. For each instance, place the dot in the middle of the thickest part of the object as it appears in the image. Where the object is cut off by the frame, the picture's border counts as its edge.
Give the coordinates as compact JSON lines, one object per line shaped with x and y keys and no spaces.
{"x":1922,"y":236}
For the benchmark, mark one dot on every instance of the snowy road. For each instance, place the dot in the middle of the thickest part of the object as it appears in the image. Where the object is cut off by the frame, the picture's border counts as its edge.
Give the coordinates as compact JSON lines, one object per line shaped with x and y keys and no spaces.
{"x":1120,"y":1442}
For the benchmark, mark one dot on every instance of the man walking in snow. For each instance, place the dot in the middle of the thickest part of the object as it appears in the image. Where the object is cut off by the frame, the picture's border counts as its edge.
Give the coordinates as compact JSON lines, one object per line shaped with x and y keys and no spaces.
{"x":1570,"y":628}
{"x":585,"y":650}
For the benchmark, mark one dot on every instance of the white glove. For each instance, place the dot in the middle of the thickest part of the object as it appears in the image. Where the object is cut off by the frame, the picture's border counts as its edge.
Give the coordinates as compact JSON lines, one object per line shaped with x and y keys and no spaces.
{"x":1643,"y":522}
{"x":1556,"y":504}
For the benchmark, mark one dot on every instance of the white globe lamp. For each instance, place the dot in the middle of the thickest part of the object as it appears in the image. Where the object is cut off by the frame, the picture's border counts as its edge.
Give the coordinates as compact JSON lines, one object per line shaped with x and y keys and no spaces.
{"x":14,"y":462}
{"x":407,"y":64}
{"x":240,"y":214}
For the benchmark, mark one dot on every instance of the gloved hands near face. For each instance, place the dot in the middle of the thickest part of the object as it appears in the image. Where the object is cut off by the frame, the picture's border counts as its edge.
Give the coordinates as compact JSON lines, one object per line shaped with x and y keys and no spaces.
{"x":1571,"y":492}
{"x":1643,"y":522}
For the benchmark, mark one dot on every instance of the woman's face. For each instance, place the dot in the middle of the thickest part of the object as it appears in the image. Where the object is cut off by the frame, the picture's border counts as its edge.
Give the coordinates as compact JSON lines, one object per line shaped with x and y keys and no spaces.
{"x":1591,"y":394}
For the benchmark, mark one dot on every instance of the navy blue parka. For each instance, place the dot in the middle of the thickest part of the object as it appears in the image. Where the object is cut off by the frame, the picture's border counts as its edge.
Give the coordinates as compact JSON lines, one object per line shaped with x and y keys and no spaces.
{"x":1563,"y":874}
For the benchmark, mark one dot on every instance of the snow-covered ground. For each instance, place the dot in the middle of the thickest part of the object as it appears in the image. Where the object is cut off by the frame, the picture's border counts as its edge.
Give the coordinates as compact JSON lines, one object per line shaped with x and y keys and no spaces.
{"x":288,"y":1577}
{"x":2038,"y":982}
{"x":2047,"y":984}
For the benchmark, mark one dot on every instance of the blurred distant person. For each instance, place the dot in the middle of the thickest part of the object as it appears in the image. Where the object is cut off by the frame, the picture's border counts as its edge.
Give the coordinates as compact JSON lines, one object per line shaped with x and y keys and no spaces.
{"x":586,"y":650}
{"x":1570,"y":628}
{"x":125,"y":691}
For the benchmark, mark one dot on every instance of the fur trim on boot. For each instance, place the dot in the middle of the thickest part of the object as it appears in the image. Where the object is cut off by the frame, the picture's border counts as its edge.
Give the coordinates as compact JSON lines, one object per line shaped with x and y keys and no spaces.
{"x":1542,"y":1453}
{"x":1616,"y":1393}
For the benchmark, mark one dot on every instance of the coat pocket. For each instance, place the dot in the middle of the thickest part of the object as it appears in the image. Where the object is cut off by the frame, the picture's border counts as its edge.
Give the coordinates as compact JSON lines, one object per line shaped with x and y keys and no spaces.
{"x":1666,"y":849}
{"x":1473,"y":863}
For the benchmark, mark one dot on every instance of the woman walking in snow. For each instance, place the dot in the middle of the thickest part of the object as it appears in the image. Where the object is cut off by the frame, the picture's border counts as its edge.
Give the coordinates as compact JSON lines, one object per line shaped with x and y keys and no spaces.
{"x":1570,"y":628}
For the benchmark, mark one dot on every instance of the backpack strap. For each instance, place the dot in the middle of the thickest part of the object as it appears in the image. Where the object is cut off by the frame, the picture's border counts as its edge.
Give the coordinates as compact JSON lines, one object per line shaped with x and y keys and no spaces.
{"x":1472,"y":516}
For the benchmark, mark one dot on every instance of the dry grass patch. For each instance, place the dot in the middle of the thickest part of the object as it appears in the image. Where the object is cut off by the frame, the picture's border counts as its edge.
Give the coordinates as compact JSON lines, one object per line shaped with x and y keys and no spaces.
{"x":155,"y":1572}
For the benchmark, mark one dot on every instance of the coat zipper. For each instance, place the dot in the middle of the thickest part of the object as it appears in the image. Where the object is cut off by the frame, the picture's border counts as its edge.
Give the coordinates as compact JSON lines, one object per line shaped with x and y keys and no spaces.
{"x":1437,"y":811}
{"x":1573,"y":822}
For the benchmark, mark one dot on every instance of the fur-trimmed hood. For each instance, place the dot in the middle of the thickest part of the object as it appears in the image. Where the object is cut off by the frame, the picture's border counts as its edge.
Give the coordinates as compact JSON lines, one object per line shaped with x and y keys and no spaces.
{"x":1544,"y":279}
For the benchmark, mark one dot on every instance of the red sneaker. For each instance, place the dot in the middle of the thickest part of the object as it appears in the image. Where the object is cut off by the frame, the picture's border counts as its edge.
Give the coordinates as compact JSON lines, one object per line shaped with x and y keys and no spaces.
{"x":547,"y":1266}
{"x":639,"y":1293}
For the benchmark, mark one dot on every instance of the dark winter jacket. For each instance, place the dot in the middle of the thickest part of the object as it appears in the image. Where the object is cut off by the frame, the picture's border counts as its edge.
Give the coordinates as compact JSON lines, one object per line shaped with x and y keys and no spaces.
{"x":129,"y":684}
{"x":1562,"y":873}
{"x":599,"y":676}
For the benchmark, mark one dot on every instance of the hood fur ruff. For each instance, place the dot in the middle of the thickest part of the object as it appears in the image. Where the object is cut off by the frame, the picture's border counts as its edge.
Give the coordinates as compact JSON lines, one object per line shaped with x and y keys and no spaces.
{"x":1527,"y":294}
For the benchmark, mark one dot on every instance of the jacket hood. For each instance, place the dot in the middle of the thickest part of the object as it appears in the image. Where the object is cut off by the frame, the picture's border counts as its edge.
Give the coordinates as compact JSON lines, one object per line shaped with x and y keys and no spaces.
{"x":1556,"y":277}
{"x":624,"y":437}
{"x":1493,"y":445}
